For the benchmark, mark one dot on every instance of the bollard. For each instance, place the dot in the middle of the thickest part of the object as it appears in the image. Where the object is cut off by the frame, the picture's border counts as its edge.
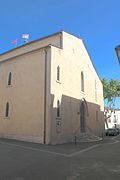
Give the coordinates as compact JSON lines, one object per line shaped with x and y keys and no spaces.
{"x":75,"y":140}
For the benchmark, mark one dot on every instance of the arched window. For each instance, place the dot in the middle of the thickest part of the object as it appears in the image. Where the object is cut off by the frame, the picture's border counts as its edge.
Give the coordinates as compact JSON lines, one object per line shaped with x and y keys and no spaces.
{"x":58,"y":108}
{"x":58,"y":73}
{"x":7,"y":110}
{"x":82,"y":81}
{"x":9,"y":78}
{"x":95,"y":91}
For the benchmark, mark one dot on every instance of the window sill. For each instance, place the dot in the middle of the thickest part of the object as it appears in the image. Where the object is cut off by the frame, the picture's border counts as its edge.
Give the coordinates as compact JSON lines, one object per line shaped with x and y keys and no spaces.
{"x":6,"y":117}
{"x":8,"y":86}
{"x":58,"y":82}
{"x":82,"y":92}
{"x":58,"y":118}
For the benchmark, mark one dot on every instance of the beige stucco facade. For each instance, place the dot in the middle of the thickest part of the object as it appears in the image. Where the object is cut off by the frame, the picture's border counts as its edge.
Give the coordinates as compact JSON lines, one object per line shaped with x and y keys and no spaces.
{"x":34,"y":91}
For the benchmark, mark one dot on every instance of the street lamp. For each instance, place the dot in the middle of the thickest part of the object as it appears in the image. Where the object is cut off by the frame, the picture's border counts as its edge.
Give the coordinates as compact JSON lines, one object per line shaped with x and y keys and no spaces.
{"x":117,"y":49}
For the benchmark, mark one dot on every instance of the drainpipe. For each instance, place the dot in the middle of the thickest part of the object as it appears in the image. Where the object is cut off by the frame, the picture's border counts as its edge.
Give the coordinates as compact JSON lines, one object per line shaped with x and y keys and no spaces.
{"x":45,"y":84}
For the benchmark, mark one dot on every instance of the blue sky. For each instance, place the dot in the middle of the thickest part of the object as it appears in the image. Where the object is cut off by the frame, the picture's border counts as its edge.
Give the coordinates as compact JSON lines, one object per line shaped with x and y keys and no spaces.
{"x":95,"y":21}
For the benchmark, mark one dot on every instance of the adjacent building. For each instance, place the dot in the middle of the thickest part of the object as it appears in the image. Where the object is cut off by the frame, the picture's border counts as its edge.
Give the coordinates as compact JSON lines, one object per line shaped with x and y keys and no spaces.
{"x":117,"y":49}
{"x":49,"y":91}
{"x":113,"y":120}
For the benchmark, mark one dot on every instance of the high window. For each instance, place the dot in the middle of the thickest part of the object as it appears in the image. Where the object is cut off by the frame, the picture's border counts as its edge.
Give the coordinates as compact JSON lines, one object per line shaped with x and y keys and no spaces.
{"x":7,"y":110}
{"x":82,"y":81}
{"x":9,"y":78}
{"x":58,"y":73}
{"x":95,"y":91}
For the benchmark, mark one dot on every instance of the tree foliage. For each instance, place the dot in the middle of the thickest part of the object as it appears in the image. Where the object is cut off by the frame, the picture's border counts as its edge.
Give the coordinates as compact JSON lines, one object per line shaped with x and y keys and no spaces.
{"x":111,"y":90}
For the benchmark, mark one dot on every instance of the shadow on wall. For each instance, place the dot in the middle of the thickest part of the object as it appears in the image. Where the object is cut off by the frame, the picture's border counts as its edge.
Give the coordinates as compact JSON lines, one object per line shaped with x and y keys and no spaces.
{"x":71,"y":115}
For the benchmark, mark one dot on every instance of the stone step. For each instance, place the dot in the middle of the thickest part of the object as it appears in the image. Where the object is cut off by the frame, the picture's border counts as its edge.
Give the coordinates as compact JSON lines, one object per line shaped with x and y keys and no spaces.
{"x":87,"y":137}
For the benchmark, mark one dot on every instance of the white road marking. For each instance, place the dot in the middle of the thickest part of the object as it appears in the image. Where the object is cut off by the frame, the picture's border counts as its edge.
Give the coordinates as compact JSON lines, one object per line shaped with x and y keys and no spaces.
{"x":57,"y":153}
{"x":52,"y":152}
{"x":84,"y":150}
{"x":34,"y":149}
{"x":115,"y":142}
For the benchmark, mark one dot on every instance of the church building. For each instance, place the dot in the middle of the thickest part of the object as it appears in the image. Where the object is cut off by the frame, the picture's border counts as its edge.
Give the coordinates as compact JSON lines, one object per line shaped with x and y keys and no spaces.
{"x":50,"y":91}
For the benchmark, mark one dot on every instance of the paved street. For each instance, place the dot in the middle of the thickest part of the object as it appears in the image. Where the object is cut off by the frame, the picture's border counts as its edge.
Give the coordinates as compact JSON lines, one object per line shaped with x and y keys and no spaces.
{"x":29,"y":161}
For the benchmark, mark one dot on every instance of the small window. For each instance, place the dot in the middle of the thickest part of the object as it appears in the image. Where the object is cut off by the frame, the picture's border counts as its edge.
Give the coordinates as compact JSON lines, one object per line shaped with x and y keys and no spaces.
{"x":58,"y":73}
{"x":82,"y":82}
{"x":95,"y":85}
{"x":9,"y":78}
{"x":58,"y":108}
{"x":7,"y":110}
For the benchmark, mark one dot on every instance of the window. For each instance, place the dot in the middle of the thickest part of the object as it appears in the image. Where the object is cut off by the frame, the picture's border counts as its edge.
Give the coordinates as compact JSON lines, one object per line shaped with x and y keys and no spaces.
{"x":95,"y":91}
{"x":82,"y":82}
{"x":58,"y":73}
{"x":95,"y":85}
{"x":9,"y":78}
{"x":115,"y":119}
{"x":58,"y":108}
{"x":7,"y":110}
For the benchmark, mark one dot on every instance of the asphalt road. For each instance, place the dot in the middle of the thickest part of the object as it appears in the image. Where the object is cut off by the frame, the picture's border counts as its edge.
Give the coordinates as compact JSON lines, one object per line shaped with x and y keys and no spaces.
{"x":28,"y":161}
